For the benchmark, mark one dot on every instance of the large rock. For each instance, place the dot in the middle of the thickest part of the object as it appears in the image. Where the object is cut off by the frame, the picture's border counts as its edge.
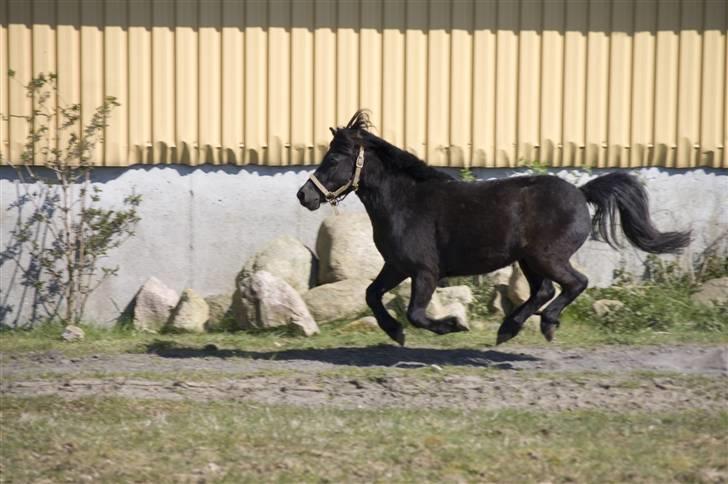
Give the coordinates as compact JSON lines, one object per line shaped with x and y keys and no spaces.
{"x":153,"y":305}
{"x":446,"y":301}
{"x":190,"y":314}
{"x":602,"y":307}
{"x":346,"y":249}
{"x":286,"y":258}
{"x":73,"y":333}
{"x":220,"y":312}
{"x":265,"y":301}
{"x":337,"y":300}
{"x":518,"y":288}
{"x":714,"y":291}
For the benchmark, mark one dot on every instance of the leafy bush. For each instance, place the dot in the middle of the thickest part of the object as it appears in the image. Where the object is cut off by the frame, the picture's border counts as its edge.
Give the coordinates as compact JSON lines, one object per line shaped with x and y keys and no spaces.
{"x":63,"y":231}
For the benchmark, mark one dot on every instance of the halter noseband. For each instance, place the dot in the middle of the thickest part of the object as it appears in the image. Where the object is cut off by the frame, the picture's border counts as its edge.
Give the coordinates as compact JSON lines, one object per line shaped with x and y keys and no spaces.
{"x":339,"y":194}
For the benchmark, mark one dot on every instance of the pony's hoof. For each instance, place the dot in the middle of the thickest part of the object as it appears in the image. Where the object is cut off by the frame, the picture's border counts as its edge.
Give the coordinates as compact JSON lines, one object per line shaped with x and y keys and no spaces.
{"x":503,"y":337}
{"x":397,"y":335}
{"x":548,"y":330}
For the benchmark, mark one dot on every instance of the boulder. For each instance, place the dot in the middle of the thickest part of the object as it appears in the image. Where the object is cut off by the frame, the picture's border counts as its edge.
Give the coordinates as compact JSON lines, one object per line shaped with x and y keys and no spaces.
{"x":714,"y":291}
{"x":518,"y":288}
{"x":501,"y":276}
{"x":602,"y":307}
{"x":362,"y":325}
{"x":346,"y":249}
{"x":499,"y":303}
{"x":220,"y":312}
{"x":338,"y":300}
{"x":190,"y":314}
{"x":286,"y":258}
{"x":153,"y":304}
{"x":446,"y":301}
{"x":451,"y":294}
{"x":72,"y":333}
{"x":266,"y":301}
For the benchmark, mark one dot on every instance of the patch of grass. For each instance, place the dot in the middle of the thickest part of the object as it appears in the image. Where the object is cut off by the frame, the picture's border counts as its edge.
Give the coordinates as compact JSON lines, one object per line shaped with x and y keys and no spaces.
{"x":114,"y":439}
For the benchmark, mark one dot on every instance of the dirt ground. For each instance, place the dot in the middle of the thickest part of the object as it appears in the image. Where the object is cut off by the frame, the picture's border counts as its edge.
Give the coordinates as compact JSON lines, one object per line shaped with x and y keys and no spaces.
{"x":610,"y":377}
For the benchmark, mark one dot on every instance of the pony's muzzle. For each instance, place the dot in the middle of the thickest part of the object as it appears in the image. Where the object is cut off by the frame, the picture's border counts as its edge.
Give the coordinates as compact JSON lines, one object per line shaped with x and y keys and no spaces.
{"x":308,"y":196}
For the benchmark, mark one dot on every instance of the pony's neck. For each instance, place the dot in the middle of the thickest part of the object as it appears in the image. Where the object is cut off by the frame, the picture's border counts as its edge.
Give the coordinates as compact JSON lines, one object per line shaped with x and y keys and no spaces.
{"x":382,"y":190}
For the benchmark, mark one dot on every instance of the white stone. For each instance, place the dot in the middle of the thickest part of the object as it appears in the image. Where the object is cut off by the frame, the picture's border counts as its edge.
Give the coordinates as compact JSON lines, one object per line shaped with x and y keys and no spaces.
{"x":286,"y":258}
{"x":190,"y":314}
{"x":346,"y":249}
{"x":712,"y":292}
{"x":602,"y":307}
{"x":265,"y":301}
{"x":73,"y":333}
{"x":153,"y":305}
{"x":338,"y":300}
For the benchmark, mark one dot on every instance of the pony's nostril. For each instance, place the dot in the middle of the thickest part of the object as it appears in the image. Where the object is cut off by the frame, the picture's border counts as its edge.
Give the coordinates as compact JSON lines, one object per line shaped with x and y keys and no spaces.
{"x":300,"y":195}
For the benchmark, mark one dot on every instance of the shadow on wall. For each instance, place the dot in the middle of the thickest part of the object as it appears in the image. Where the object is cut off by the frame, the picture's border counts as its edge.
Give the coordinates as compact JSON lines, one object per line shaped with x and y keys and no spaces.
{"x":23,"y":269}
{"x":601,"y":16}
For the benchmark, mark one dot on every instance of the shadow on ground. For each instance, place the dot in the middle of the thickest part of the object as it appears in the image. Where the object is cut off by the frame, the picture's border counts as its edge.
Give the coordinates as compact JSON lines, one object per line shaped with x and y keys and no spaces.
{"x":380,"y":355}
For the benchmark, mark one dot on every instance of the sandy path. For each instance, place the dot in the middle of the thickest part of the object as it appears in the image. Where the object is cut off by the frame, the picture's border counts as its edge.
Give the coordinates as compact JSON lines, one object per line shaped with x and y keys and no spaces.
{"x":682,"y":377}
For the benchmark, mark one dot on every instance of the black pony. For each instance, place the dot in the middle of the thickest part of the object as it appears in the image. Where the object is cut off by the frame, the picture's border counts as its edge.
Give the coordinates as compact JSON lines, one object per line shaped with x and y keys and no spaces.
{"x":428,"y":225}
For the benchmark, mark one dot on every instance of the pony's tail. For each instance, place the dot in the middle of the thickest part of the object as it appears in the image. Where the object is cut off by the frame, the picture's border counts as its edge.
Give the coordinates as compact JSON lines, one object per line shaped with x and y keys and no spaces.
{"x":622,"y":192}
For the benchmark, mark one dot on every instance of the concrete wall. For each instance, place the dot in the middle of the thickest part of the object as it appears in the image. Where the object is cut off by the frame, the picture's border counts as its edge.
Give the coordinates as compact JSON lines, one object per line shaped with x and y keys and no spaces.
{"x":199,"y":225}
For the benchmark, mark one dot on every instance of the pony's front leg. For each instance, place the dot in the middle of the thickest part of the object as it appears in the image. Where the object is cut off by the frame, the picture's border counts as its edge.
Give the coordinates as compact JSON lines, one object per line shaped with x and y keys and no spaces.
{"x":423,"y":286}
{"x":388,"y":279}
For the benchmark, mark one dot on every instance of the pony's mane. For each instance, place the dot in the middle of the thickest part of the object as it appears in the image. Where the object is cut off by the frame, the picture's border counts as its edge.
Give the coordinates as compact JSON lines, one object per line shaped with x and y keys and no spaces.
{"x":357,"y":131}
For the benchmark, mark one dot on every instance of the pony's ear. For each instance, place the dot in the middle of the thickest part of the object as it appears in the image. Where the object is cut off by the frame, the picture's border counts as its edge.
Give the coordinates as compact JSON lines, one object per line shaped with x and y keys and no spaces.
{"x":333,"y":131}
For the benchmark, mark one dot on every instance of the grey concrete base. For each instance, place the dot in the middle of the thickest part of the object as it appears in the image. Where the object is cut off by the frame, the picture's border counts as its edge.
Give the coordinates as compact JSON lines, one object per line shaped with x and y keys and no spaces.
{"x":199,"y":225}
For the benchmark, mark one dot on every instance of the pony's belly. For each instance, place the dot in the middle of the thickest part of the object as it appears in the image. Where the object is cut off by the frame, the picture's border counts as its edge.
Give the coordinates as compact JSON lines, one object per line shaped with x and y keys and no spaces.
{"x":474,"y":266}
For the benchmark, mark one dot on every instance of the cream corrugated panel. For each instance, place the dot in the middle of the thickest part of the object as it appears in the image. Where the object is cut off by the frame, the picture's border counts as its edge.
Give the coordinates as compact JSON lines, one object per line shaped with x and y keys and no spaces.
{"x":461,"y":84}
{"x":347,"y":60}
{"x":210,"y":83}
{"x":393,"y":72}
{"x":302,"y":65}
{"x":643,"y":82}
{"x":458,"y":82}
{"x":4,"y":135}
{"x":574,"y":119}
{"x":279,"y":83}
{"x":44,"y":49}
{"x":506,"y":96}
{"x":597,"y":93}
{"x":552,"y":83}
{"x":164,"y":87}
{"x":714,"y":80}
{"x":140,"y":84}
{"x":484,"y":56}
{"x":370,"y":59}
{"x":438,"y":84}
{"x":256,"y":82}
{"x":688,"y":94}
{"x":666,"y":76}
{"x":529,"y":81}
{"x":324,"y":85}
{"x":415,"y":117}
{"x":187,"y":72}
{"x":233,"y":84}
{"x":620,"y":83}
{"x":20,"y":56}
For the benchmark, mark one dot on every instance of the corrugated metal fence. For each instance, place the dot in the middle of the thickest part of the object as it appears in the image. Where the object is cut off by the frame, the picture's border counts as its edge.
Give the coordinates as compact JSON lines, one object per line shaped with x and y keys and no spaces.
{"x":459,"y":83}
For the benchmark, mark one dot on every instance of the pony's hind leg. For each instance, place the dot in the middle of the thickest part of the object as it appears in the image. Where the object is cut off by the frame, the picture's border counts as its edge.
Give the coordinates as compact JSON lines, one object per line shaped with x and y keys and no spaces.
{"x":542,"y":290}
{"x":423,"y":286}
{"x":572,"y":284}
{"x":388,"y":279}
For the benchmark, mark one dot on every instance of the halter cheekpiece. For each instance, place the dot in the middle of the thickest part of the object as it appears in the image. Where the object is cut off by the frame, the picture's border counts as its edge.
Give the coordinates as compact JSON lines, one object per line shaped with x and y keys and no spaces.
{"x":335,"y":197}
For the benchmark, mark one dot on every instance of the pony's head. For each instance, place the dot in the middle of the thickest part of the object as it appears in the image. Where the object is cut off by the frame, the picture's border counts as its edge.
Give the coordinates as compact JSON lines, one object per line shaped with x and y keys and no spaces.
{"x":340,"y":171}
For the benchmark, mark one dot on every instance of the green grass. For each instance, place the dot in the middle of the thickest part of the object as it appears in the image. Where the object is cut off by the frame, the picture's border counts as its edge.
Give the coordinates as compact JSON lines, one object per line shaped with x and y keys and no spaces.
{"x":580,"y":327}
{"x":119,"y":440}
